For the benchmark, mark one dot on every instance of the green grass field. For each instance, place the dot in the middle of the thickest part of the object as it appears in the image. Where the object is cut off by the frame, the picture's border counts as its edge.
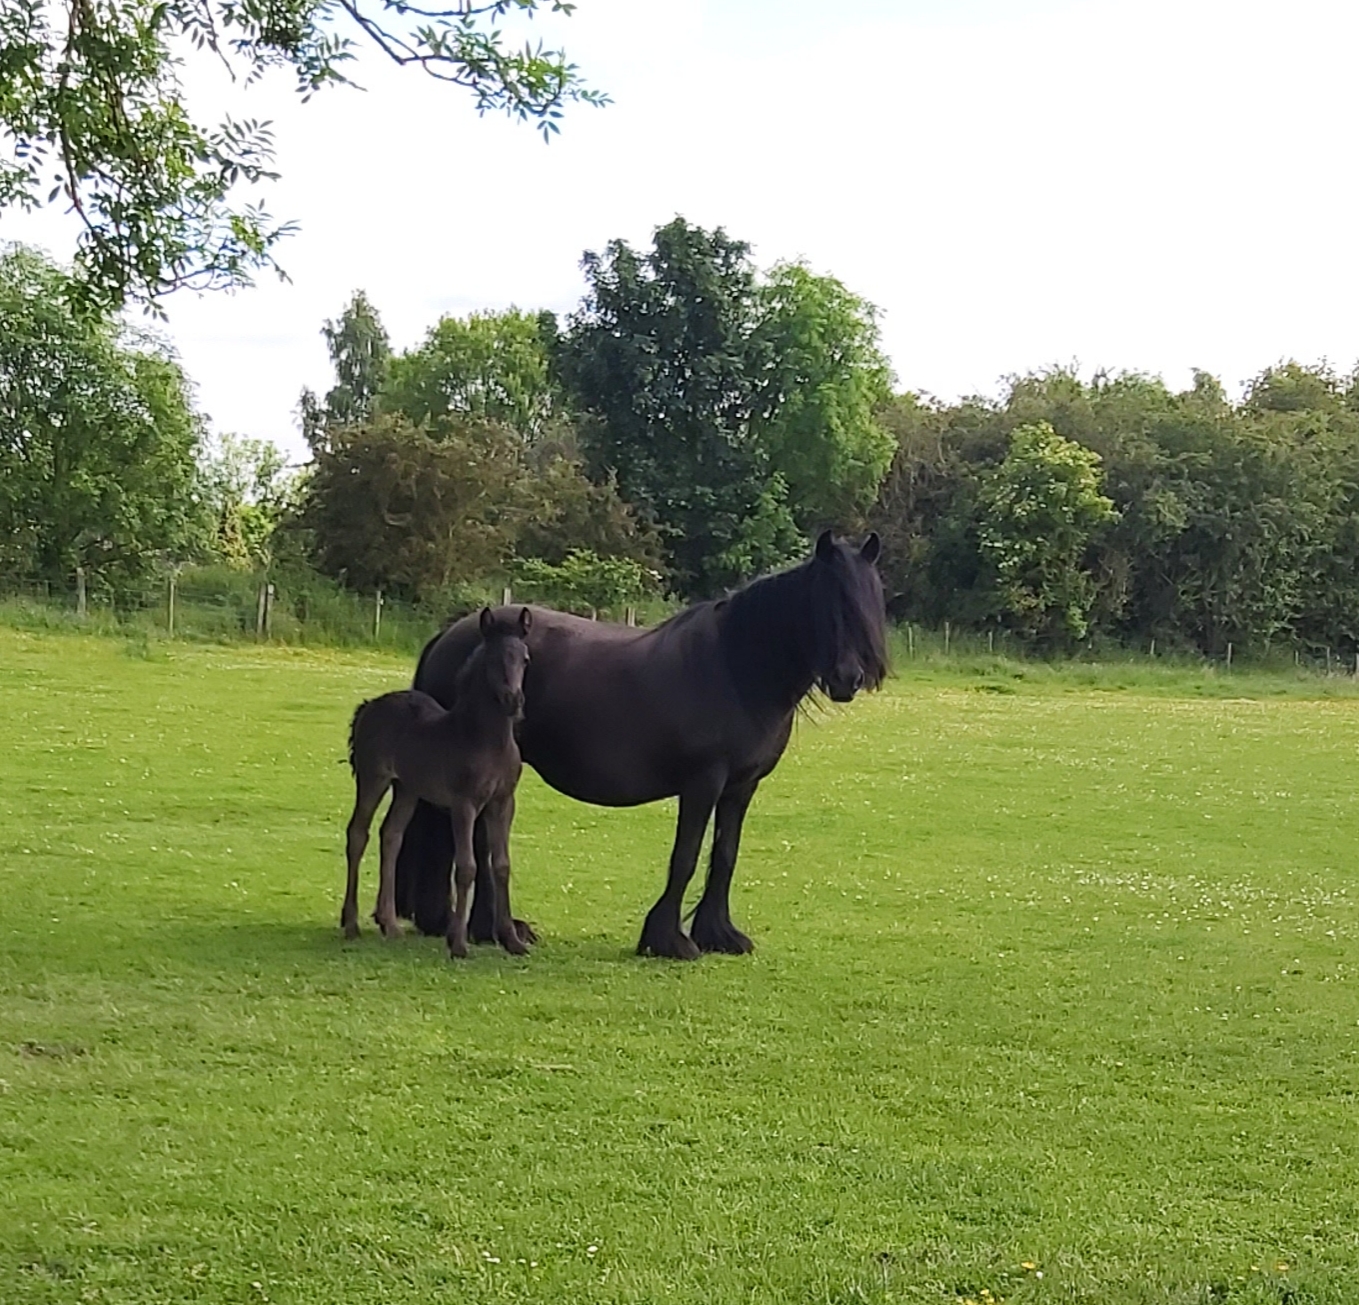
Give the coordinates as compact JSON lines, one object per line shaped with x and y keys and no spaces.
{"x":1055,"y":999}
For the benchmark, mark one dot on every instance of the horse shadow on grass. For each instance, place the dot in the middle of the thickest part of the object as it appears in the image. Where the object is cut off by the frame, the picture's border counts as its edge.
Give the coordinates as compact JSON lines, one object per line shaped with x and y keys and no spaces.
{"x":254,"y":946}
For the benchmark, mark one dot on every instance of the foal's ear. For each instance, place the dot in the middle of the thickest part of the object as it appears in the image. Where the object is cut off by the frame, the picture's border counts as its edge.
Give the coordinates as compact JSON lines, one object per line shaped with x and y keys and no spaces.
{"x":487,"y":622}
{"x":525,"y":621}
{"x":872,"y":548}
{"x":825,"y":545}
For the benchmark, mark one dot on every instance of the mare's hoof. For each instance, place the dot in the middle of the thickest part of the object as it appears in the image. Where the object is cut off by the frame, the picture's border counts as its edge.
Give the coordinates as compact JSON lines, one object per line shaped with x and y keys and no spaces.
{"x":720,"y":936}
{"x":351,"y":930}
{"x":514,"y":944}
{"x":457,"y":950}
{"x":670,"y":943}
{"x":390,"y":928}
{"x":528,"y":935}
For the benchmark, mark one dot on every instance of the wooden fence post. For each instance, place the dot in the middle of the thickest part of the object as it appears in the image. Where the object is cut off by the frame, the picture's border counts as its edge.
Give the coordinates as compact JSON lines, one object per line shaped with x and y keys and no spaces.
{"x":990,"y":641}
{"x":910,"y":641}
{"x":377,"y":614}
{"x":630,"y":616}
{"x":80,"y":592}
{"x":1153,"y":647}
{"x":260,"y":610}
{"x":506,"y":598}
{"x":946,"y":637}
{"x":170,"y":608}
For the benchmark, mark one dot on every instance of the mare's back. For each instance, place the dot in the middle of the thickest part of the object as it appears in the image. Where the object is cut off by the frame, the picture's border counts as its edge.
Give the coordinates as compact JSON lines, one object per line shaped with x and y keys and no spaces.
{"x":555,"y":636}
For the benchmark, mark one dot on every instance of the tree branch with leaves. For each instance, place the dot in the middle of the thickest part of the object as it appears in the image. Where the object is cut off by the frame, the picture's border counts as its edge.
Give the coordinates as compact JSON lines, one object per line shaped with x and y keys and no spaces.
{"x":95,"y":113}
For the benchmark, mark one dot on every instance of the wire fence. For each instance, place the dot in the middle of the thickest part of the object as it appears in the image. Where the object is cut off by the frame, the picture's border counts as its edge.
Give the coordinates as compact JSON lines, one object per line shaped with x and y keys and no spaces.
{"x":225,"y":604}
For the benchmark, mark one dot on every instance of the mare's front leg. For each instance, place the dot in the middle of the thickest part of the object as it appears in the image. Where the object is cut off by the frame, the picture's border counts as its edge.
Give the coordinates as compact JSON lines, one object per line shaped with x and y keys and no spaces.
{"x":464,"y":818}
{"x":389,"y":838}
{"x":661,"y":934}
{"x":712,"y":929}
{"x":368,"y":793}
{"x":498,"y":817}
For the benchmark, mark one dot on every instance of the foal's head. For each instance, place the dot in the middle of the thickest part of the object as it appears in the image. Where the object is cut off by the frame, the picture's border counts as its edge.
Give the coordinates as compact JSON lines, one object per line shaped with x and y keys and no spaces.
{"x":504,"y":656}
{"x":849,"y":616}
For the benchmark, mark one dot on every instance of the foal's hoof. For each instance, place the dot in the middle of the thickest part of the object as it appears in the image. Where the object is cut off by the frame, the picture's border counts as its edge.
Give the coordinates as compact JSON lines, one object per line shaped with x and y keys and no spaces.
{"x":457,"y":949}
{"x":721,"y":938}
{"x":390,"y":928}
{"x":351,"y":930}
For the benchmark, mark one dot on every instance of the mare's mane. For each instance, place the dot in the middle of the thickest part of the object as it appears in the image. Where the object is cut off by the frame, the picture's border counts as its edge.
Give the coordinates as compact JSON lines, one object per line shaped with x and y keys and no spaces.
{"x":783,"y":633}
{"x":463,"y":680}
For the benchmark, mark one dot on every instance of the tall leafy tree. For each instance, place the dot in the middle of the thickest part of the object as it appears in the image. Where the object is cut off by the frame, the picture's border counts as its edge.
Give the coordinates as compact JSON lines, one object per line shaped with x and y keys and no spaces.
{"x":247,"y":488}
{"x":361,"y":354}
{"x":388,"y":504}
{"x":1041,"y":507}
{"x":823,"y":384}
{"x":93,"y":104}
{"x":98,"y":439}
{"x":662,"y":357}
{"x":492,"y":366}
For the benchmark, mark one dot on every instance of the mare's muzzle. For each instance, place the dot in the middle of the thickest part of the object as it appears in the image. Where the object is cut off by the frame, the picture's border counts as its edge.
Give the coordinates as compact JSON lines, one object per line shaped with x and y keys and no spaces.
{"x":844,"y":684}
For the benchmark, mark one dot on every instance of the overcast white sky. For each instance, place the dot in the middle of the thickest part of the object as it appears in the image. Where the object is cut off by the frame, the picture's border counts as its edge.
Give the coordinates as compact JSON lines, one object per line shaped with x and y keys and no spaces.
{"x":1148,"y":184}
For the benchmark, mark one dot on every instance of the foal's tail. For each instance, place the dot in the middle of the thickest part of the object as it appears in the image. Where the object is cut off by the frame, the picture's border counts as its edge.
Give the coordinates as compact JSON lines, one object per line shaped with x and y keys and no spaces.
{"x":354,"y":729}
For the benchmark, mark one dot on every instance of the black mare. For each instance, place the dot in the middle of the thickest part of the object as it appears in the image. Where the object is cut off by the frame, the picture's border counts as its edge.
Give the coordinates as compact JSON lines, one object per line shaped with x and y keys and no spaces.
{"x":699,"y":707}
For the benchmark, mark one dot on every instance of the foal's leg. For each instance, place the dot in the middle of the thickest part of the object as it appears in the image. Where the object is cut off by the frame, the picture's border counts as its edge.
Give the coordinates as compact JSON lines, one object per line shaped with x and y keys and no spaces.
{"x":368,"y":794}
{"x":393,"y":829}
{"x":498,"y":817}
{"x":464,"y":818}
{"x":712,"y":929}
{"x":481,"y":926}
{"x":661,"y":934}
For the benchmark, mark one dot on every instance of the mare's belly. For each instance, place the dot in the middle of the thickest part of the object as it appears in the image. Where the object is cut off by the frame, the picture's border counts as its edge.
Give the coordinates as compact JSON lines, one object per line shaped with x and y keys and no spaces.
{"x":596,"y":780}
{"x":609,"y":761}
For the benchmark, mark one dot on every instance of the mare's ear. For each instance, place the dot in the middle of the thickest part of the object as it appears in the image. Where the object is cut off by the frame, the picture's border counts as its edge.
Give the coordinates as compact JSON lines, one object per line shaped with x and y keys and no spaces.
{"x":487,"y":622}
{"x":525,"y":621}
{"x":872,"y":548}
{"x":825,"y":545}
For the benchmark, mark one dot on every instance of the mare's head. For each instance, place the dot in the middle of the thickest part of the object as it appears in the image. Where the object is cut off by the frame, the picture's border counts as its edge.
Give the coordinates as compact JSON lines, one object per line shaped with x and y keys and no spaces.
{"x":504,"y":656}
{"x":848,"y":616}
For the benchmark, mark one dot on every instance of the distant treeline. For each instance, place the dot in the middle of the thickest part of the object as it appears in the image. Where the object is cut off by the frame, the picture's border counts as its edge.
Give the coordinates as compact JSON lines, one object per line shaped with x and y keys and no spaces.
{"x":693,"y":423}
{"x":1225,"y":522}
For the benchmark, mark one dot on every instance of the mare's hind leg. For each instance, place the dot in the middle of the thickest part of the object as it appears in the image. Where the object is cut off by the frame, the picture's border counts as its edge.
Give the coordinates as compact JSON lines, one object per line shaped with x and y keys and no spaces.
{"x":712,"y":928}
{"x":463,"y":818}
{"x":393,"y":830}
{"x":498,"y":817}
{"x":661,"y":934}
{"x":367,"y":796}
{"x":424,"y":870}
